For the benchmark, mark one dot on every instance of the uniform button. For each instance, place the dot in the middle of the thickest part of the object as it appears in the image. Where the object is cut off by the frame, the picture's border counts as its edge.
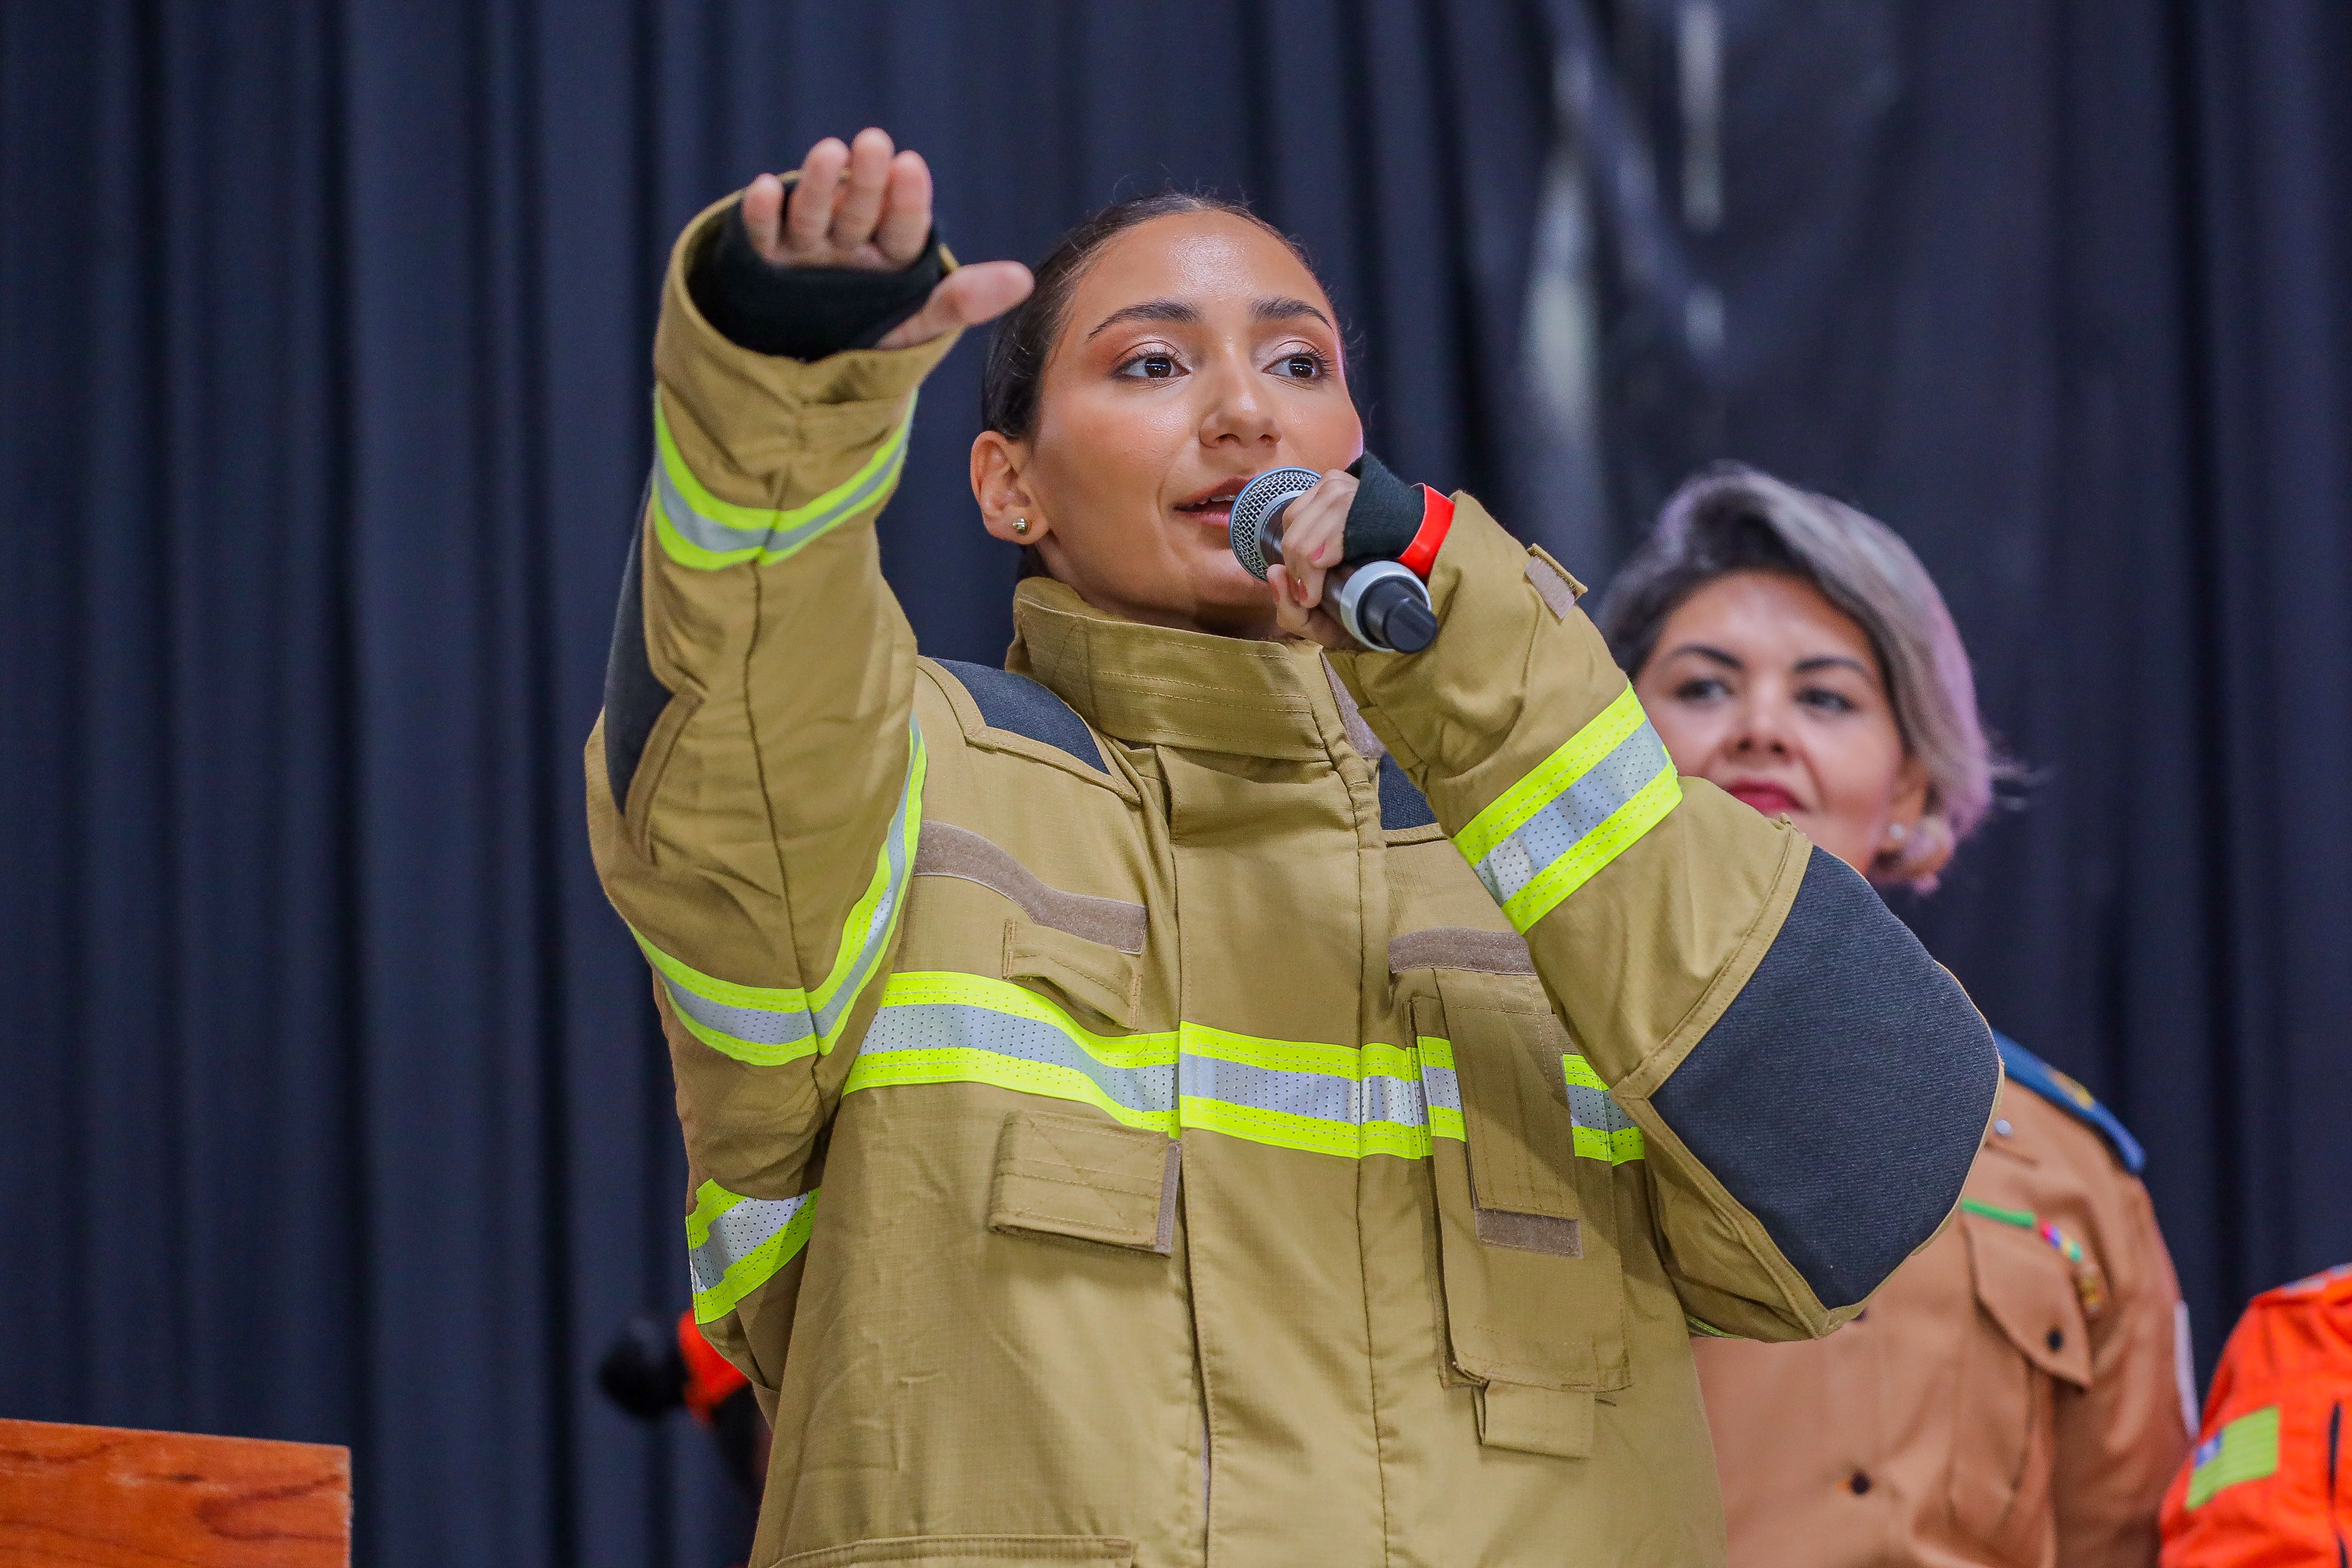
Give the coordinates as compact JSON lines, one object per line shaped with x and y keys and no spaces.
{"x":1858,"y":1483}
{"x":2056,"y":1339}
{"x":2001,"y":1124}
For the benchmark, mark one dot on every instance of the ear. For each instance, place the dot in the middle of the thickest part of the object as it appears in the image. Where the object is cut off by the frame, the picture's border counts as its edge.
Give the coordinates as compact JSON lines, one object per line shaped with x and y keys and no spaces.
{"x":1918,"y":843}
{"x":998,"y":484}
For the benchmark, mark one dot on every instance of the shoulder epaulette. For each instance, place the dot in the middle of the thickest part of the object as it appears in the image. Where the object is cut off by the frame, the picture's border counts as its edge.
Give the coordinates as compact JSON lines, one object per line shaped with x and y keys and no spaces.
{"x":2024,"y":1067}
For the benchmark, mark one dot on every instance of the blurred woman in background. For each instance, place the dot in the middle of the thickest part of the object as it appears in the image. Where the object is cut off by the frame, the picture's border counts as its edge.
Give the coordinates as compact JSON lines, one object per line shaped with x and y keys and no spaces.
{"x":2017,"y":1393}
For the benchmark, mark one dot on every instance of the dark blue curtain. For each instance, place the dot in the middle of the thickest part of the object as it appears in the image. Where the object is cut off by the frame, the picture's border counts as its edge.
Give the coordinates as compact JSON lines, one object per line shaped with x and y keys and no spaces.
{"x":332,"y":1105}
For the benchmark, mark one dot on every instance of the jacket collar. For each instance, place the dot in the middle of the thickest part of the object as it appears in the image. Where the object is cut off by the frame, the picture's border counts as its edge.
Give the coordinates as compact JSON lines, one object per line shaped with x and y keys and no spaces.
{"x":1156,"y":686}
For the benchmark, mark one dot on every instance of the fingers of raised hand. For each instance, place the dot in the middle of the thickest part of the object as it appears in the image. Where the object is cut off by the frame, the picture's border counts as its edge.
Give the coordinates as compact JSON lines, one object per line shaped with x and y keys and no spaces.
{"x":905,"y":220}
{"x":861,"y":197}
{"x":859,"y":203}
{"x":965,"y":297}
{"x":764,"y":217}
{"x":808,"y":221}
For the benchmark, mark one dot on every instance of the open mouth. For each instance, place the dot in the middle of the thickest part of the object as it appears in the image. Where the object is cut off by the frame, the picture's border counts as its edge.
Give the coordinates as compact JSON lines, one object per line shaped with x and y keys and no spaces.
{"x":1213,"y":506}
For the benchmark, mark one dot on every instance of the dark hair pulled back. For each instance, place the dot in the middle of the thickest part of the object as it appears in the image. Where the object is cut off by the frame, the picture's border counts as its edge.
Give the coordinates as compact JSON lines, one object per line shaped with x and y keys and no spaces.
{"x":1025,"y":339}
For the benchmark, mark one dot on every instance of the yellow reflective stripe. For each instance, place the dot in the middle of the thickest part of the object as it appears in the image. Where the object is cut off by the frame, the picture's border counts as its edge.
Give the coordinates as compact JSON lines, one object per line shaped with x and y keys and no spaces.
{"x":1310,"y":1134}
{"x":1616,"y":1145}
{"x":710,"y":1201}
{"x":769,"y":1026}
{"x":1510,"y":810}
{"x":700,"y":531}
{"x":967,"y":1064}
{"x":1701,"y":1329}
{"x":945,"y":1027}
{"x":1603,"y":1130}
{"x":949,"y":987}
{"x":737,"y":1244}
{"x":1440,"y":1087}
{"x":1617,"y":834}
{"x":1277,"y":1055}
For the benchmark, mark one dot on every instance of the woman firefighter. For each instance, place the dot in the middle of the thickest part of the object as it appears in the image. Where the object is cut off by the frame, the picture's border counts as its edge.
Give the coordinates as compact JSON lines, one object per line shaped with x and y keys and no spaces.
{"x":1189,"y":1095}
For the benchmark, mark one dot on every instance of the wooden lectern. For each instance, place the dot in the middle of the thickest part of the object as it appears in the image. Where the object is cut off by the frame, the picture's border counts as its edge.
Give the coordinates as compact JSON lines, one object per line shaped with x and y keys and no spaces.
{"x":98,"y":1497}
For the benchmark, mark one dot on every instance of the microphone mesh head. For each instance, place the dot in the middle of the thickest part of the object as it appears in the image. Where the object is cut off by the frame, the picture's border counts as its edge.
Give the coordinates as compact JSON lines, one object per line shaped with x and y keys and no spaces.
{"x":1258,"y":498}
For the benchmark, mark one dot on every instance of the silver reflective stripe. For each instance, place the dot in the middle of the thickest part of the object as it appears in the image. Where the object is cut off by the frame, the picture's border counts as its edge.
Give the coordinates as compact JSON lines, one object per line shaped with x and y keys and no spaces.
{"x":1443,"y":1088}
{"x":1592,"y":1108}
{"x":1353,"y":1100}
{"x":1568,"y":817}
{"x":716,"y":536}
{"x":954,"y":1026}
{"x":738,"y":1233}
{"x":760,"y":1026}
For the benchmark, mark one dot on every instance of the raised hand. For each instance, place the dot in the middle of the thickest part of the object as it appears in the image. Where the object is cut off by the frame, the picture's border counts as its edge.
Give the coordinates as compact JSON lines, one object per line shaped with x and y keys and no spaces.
{"x":868,"y":206}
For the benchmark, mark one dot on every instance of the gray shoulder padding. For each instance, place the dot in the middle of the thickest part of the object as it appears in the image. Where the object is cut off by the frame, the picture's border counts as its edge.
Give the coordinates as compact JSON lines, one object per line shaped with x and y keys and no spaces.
{"x":1842,"y":1095}
{"x":1007,"y":701}
{"x":1402,"y":805}
{"x":633,"y":695}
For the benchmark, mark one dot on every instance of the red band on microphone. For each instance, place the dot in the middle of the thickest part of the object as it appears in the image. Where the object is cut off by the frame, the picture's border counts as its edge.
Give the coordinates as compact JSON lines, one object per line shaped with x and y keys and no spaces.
{"x":1436,"y":517}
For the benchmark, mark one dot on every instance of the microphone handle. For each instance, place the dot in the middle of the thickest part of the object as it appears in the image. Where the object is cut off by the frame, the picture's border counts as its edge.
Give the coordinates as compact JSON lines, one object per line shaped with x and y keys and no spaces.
{"x":1383,"y":604}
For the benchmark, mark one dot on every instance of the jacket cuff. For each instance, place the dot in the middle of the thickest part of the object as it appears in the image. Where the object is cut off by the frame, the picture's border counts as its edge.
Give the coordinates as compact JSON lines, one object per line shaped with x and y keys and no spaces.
{"x":747,"y":419}
{"x":803,"y":313}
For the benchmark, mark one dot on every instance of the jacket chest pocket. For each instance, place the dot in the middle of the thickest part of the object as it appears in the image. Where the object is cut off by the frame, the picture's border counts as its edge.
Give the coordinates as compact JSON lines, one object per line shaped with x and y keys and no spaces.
{"x":1527,"y":1221}
{"x":2027,"y":1348}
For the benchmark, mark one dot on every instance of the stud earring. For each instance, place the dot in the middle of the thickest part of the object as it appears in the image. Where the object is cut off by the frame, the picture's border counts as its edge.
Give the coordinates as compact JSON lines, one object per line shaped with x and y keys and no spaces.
{"x":1020,"y":525}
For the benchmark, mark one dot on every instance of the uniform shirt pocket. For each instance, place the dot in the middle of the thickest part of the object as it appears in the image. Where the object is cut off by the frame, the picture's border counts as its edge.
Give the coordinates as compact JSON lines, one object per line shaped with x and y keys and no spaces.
{"x":2027,"y":1339}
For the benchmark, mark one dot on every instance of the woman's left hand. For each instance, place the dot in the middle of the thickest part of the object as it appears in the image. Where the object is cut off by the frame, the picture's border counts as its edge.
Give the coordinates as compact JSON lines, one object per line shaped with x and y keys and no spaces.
{"x":1314,"y":534}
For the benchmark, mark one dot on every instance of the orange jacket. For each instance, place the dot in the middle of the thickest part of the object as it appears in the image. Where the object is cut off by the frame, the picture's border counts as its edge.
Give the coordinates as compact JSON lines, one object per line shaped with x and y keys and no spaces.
{"x":2270,"y":1482}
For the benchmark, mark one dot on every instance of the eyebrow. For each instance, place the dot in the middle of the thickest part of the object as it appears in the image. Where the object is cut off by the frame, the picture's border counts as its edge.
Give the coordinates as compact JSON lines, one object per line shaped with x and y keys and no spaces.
{"x":1285,"y":310}
{"x":1282,"y":308}
{"x":1704,"y":652}
{"x":1150,"y":310}
{"x":1803,"y":667}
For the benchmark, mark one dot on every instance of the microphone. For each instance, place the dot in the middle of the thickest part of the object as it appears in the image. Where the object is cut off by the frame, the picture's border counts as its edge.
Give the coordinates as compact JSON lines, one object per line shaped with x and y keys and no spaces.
{"x":1381,"y":603}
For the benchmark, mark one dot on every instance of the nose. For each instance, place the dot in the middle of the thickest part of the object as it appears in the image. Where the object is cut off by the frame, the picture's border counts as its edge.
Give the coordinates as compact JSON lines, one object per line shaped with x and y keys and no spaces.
{"x":1760,"y":727}
{"x":1237,"y":411}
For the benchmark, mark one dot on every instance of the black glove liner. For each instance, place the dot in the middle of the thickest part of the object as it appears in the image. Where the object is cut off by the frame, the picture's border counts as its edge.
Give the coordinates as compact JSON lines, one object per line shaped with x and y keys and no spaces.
{"x":803,"y":312}
{"x":1385,"y":516}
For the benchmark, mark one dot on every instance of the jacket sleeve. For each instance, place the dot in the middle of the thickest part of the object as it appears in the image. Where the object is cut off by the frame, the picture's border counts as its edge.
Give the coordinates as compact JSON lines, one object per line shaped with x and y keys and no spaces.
{"x":755,"y":781}
{"x":2120,"y":1440}
{"x":1810,"y":1083}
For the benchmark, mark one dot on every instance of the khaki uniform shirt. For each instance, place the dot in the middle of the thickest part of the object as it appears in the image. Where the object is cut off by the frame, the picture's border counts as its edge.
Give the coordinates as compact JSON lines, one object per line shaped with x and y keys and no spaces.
{"x":1178,"y":1100}
{"x":2013,"y":1396}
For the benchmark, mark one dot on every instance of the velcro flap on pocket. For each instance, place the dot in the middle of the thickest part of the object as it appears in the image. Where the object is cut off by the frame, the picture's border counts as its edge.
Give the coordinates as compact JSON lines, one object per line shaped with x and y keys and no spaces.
{"x":1555,"y":1421}
{"x":1528,"y":1232}
{"x":1514,"y":1111}
{"x":1101,"y":979}
{"x":1087,"y":1179}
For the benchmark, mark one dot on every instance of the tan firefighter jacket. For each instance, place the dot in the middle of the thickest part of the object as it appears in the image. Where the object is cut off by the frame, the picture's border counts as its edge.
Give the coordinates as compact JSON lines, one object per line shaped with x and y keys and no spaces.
{"x":1178,"y":1101}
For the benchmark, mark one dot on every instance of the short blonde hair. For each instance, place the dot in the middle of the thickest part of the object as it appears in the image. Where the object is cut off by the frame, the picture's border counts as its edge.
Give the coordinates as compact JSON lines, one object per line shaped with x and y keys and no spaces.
{"x":1734,"y":518}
